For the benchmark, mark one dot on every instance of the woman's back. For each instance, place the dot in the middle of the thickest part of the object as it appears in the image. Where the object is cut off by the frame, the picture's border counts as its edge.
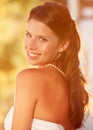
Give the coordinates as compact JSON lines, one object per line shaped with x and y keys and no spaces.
{"x":53,"y":100}
{"x":52,"y":103}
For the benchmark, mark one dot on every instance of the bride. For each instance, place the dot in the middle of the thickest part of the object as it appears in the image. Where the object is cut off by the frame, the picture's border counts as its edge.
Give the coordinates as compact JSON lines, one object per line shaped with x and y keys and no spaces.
{"x":50,"y":95}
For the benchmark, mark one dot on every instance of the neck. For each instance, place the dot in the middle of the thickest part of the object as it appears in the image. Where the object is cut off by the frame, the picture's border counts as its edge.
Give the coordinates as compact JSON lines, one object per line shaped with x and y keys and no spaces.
{"x":50,"y":65}
{"x":54,"y":66}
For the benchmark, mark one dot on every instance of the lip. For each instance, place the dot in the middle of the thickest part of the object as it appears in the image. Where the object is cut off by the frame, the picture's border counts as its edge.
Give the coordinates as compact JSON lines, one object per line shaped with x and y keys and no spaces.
{"x":33,"y":54}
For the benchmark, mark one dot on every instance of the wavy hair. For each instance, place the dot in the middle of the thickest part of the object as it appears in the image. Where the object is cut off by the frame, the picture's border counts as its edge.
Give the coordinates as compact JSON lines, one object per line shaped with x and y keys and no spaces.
{"x":57,"y":17}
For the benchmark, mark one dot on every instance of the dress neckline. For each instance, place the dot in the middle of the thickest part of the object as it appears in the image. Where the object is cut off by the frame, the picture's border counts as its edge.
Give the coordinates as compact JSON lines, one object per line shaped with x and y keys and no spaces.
{"x":42,"y":121}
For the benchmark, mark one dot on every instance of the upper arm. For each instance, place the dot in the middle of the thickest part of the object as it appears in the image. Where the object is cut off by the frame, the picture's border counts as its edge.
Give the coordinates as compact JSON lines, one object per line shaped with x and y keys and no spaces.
{"x":25,"y":100}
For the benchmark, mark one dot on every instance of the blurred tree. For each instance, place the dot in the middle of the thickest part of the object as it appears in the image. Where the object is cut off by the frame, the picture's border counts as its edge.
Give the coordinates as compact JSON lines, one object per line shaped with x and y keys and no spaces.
{"x":6,"y":58}
{"x":13,"y":18}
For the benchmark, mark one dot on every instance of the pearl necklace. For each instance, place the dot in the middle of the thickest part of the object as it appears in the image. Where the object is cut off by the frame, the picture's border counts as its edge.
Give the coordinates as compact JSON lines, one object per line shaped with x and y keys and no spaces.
{"x":52,"y":65}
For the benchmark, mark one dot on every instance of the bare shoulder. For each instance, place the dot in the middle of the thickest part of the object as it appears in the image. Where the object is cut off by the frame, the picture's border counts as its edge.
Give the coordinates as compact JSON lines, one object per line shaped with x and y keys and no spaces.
{"x":32,"y":79}
{"x":39,"y":80}
{"x":32,"y":74}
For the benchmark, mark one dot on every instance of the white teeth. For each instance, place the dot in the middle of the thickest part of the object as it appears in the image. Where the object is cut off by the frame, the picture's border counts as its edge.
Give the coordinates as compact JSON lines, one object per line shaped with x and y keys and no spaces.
{"x":31,"y":54}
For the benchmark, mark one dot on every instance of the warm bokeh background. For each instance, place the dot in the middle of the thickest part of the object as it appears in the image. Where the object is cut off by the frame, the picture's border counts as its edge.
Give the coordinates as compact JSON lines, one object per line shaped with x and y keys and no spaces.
{"x":13,"y":18}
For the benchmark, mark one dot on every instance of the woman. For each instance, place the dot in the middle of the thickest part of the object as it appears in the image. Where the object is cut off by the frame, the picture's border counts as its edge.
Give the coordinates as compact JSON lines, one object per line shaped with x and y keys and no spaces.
{"x":50,"y":96}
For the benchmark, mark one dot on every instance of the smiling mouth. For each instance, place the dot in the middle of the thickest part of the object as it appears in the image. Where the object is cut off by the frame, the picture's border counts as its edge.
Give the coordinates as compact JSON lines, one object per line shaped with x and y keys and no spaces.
{"x":33,"y":54}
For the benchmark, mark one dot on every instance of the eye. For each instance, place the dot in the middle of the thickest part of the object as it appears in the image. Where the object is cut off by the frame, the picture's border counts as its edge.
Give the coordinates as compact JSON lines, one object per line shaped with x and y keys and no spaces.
{"x":28,"y":35}
{"x":43,"y":39}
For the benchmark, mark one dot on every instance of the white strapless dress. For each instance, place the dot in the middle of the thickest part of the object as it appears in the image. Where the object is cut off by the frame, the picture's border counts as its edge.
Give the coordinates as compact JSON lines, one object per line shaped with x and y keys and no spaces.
{"x":37,"y":124}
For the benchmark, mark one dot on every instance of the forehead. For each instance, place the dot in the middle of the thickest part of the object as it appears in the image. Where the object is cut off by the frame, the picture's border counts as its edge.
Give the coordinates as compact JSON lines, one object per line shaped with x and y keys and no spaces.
{"x":35,"y":26}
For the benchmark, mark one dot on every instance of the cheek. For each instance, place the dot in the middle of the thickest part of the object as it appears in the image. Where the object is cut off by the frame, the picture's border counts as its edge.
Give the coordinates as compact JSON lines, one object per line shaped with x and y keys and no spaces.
{"x":50,"y":50}
{"x":43,"y":47}
{"x":26,"y":43}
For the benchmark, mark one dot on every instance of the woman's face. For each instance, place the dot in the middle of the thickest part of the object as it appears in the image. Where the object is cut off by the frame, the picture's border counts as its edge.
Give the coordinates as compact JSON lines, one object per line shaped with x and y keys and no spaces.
{"x":41,"y":44}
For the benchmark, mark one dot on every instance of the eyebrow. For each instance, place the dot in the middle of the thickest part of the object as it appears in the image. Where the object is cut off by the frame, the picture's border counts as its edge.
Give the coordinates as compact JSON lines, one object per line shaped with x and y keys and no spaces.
{"x":28,"y":32}
{"x":42,"y":35}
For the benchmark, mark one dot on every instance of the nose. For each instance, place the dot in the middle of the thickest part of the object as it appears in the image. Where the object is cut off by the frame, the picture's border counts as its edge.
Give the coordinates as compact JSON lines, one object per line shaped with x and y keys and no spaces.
{"x":31,"y":44}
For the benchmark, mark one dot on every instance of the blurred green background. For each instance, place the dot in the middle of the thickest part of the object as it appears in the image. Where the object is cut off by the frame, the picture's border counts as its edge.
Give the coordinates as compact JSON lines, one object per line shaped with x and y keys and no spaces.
{"x":13,"y":19}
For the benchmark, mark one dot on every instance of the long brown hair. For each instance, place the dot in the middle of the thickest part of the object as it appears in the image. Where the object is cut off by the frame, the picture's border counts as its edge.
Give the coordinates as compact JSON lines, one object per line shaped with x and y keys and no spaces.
{"x":57,"y":17}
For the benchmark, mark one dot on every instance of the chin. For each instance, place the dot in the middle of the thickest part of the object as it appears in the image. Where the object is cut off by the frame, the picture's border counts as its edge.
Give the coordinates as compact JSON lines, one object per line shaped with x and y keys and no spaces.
{"x":32,"y":63}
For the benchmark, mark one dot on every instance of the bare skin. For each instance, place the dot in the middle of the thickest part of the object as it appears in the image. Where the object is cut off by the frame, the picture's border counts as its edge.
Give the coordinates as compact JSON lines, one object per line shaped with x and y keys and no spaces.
{"x":38,"y":96}
{"x":40,"y":93}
